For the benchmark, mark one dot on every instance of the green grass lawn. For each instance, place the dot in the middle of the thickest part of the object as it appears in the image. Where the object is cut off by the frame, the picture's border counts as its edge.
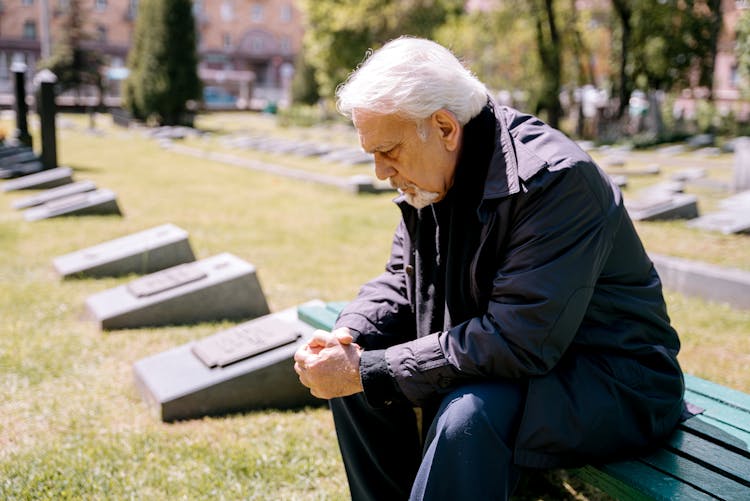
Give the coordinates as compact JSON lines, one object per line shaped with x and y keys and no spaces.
{"x":73,"y":425}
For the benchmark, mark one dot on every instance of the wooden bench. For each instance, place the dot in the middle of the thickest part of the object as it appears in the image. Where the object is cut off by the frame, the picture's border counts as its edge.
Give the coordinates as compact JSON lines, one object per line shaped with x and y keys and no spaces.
{"x":707,"y":457}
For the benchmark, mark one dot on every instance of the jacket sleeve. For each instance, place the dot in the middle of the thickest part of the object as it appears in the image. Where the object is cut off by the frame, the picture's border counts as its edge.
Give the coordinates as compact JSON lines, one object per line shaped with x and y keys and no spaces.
{"x":558,"y":242}
{"x":380,"y":315}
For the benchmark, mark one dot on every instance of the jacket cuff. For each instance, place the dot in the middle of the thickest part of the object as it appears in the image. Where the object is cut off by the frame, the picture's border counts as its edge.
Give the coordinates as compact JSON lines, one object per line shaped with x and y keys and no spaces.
{"x":380,"y":388}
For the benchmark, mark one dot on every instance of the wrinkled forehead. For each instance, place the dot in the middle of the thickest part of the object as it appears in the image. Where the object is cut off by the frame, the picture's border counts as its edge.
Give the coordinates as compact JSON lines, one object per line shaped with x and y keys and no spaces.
{"x":377,"y":131}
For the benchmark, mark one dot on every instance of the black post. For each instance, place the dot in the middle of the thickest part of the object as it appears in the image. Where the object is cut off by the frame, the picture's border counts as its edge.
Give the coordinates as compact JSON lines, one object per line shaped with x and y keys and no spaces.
{"x":22,"y":128}
{"x":46,"y":80}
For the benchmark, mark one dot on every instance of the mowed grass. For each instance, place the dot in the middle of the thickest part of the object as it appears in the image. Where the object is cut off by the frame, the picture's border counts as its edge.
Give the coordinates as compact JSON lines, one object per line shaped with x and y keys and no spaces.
{"x":73,"y":425}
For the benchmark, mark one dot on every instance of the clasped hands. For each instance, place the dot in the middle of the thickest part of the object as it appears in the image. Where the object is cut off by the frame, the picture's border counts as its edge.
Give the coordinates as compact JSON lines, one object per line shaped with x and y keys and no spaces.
{"x":328,"y":364}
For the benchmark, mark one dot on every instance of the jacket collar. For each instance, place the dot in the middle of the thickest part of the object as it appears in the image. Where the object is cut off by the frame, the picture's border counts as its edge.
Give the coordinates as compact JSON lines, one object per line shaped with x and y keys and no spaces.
{"x":512,"y":161}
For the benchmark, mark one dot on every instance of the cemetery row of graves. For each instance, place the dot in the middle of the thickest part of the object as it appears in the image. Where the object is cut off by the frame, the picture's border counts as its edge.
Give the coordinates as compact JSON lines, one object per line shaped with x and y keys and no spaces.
{"x":227,"y":371}
{"x":200,"y":334}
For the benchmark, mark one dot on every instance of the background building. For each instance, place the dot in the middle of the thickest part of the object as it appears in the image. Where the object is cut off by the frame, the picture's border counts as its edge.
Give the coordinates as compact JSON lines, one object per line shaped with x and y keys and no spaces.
{"x":246,"y":47}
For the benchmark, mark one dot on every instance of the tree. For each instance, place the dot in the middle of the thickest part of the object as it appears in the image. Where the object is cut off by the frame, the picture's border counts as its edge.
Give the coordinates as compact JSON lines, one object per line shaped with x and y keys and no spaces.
{"x":743,"y":49}
{"x":340,"y":31}
{"x":163,"y":63}
{"x":663,"y":43}
{"x":549,"y":47}
{"x":73,"y":62}
{"x":304,"y":86}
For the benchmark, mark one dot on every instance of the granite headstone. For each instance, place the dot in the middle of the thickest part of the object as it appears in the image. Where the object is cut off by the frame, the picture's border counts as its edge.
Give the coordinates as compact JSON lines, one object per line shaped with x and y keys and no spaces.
{"x":143,"y":252}
{"x":247,"y":367}
{"x":96,"y":202}
{"x":215,"y":288}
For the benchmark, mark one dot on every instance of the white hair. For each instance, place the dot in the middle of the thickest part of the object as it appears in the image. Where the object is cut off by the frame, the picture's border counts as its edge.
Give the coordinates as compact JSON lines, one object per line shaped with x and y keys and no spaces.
{"x":414,"y":78}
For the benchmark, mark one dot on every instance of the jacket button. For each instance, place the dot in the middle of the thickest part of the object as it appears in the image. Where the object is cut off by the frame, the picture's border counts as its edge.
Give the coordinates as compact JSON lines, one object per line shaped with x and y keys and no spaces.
{"x":409,"y":270}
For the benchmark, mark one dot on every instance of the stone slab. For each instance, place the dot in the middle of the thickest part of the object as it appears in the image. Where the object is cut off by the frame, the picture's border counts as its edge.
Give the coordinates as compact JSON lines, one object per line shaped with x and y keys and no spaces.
{"x":49,"y":178}
{"x":8,"y":151}
{"x":662,"y":206}
{"x":21,"y":169}
{"x":18,"y":157}
{"x":741,"y":179}
{"x":707,"y":281}
{"x":216,"y":288}
{"x":726,"y":222}
{"x":143,"y":252}
{"x":97,"y":202}
{"x":689,"y":174}
{"x":363,"y":183}
{"x":54,"y":194}
{"x":177,"y":384}
{"x":647,"y":170}
{"x":740,"y":201}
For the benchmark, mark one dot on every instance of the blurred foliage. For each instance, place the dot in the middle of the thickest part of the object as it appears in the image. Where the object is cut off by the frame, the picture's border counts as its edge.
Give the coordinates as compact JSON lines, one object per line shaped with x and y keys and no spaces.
{"x":72,"y":61}
{"x":163,"y":63}
{"x":531,"y":53}
{"x":743,"y":50}
{"x":339,"y":32}
{"x":304,"y":86}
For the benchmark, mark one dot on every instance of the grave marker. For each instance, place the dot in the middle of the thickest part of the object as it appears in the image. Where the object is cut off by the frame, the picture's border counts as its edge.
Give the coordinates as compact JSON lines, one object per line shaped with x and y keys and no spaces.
{"x":742,"y":164}
{"x":54,"y":194}
{"x":49,"y":178}
{"x":247,"y":367}
{"x":726,"y":222}
{"x":707,"y":281}
{"x":659,"y":206}
{"x":97,"y":202}
{"x":216,"y":288}
{"x":21,"y":169}
{"x":147,"y":251}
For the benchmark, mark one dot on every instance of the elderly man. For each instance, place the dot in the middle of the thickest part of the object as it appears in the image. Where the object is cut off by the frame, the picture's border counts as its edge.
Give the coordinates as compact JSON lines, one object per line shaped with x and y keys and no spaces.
{"x":518,"y":315}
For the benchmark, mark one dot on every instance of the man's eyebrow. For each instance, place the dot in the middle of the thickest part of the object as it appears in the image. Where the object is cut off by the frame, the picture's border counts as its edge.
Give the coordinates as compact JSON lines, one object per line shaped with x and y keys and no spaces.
{"x":385,"y":146}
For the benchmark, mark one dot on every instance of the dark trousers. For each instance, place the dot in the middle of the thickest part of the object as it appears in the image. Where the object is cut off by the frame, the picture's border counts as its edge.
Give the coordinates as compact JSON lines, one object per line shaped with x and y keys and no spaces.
{"x":465,"y":451}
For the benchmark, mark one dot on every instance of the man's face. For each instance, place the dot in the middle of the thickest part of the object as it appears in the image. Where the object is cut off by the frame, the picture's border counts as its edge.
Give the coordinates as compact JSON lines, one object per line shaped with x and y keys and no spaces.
{"x":422,"y":170}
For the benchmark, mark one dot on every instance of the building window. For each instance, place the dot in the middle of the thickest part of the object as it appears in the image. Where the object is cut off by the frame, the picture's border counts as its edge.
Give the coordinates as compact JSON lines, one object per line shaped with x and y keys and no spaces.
{"x":227,"y":11}
{"x":286,"y":13}
{"x":101,"y":33}
{"x":27,"y":2}
{"x":256,"y":13}
{"x":132,"y":9}
{"x":227,"y":41}
{"x":256,"y":45}
{"x":4,"y":73}
{"x":29,"y":30}
{"x":197,"y":8}
{"x":101,"y":5}
{"x":285,"y":44}
{"x":63,"y":5}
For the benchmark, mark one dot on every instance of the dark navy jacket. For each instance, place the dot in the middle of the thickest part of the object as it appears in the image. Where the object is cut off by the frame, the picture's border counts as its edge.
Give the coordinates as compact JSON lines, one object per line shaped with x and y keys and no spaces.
{"x":545,"y":282}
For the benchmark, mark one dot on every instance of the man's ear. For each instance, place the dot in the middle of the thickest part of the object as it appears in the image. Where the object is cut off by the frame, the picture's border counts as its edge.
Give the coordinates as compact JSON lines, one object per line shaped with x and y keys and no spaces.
{"x":450,"y":130}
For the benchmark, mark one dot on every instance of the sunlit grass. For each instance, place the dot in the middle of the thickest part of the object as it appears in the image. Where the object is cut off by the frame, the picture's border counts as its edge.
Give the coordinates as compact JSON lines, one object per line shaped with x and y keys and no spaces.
{"x":73,"y":425}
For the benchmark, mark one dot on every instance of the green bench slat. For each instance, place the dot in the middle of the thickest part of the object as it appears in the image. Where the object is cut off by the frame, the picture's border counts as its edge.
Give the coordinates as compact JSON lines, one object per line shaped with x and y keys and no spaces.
{"x":320,"y":317}
{"x":697,"y":476}
{"x":711,"y":455}
{"x":636,"y":481}
{"x":732,"y":416}
{"x":730,"y":437}
{"x":730,"y":396}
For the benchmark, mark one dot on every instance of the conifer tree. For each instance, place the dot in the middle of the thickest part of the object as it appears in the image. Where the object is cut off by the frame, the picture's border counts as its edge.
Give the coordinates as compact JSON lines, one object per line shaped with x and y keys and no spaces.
{"x":163,"y":63}
{"x":72,"y":61}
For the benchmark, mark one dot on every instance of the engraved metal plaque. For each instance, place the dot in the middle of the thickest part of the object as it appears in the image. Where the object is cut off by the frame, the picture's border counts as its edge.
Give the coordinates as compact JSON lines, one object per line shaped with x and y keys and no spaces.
{"x":244,"y":341}
{"x":165,"y":280}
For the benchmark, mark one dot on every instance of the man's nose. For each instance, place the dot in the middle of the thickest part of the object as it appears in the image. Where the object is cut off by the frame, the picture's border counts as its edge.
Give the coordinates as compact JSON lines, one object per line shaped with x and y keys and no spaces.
{"x":383,"y":169}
